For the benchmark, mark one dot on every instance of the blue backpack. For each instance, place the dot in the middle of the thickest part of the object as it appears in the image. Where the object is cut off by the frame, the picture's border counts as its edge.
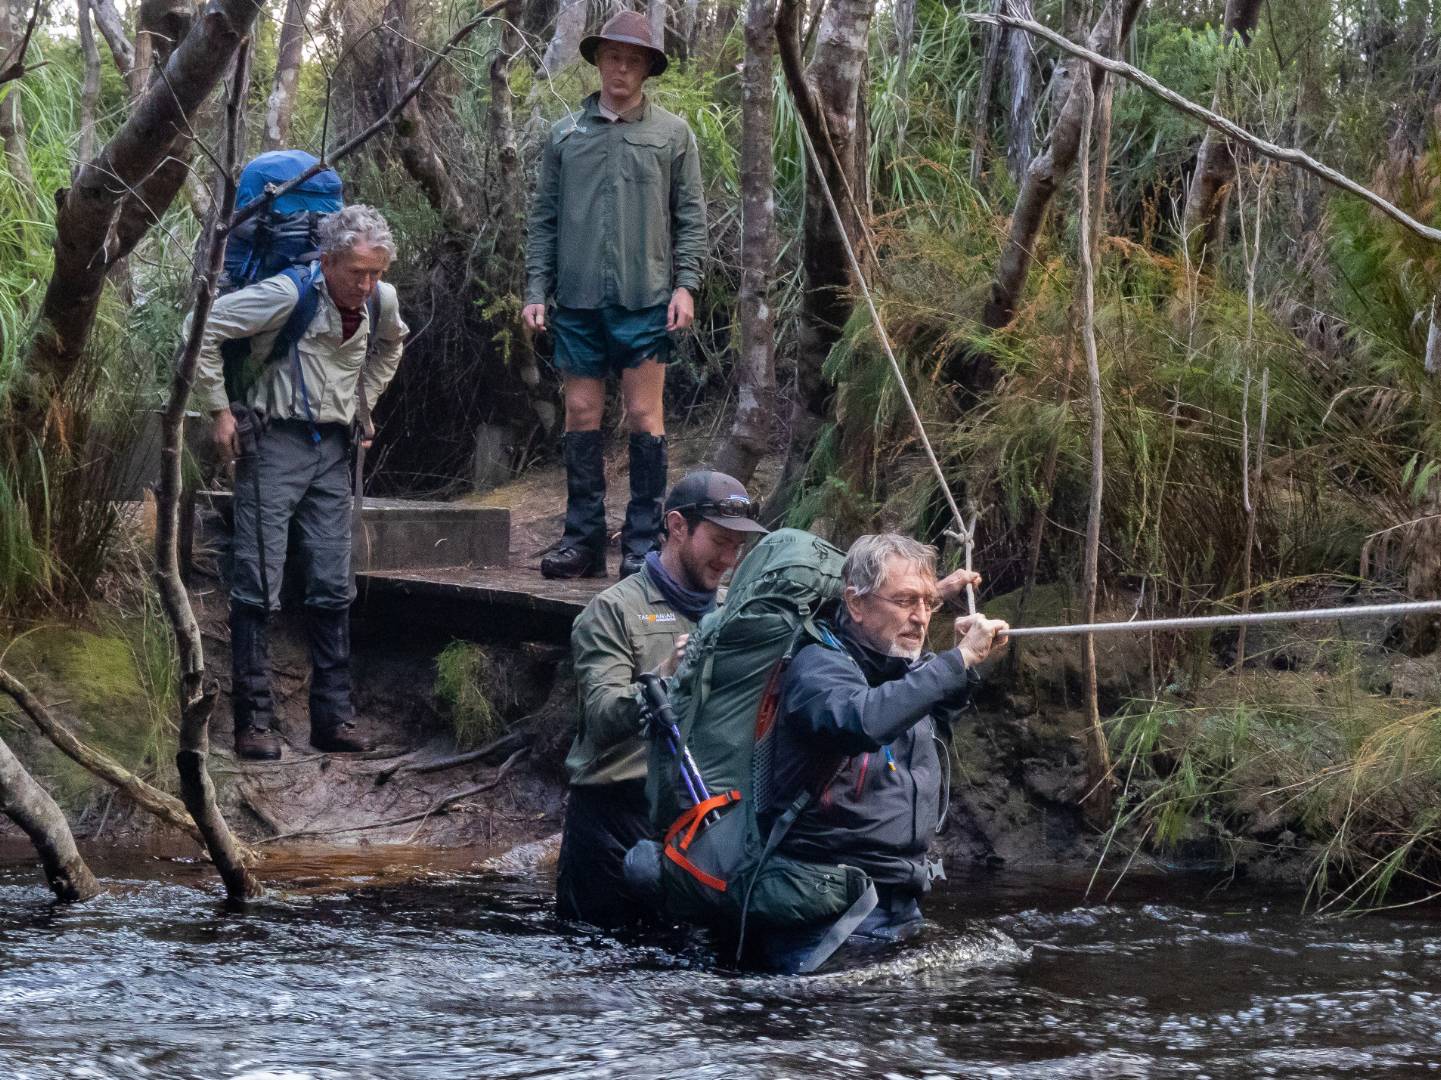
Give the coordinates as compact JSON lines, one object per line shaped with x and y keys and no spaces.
{"x":284,"y":233}
{"x":281,"y":239}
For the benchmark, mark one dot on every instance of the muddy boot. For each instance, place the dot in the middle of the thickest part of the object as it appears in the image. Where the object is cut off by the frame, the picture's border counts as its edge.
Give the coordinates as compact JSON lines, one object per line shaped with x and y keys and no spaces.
{"x":643,"y":513}
{"x":251,"y":701}
{"x":581,"y":551}
{"x":332,"y":716}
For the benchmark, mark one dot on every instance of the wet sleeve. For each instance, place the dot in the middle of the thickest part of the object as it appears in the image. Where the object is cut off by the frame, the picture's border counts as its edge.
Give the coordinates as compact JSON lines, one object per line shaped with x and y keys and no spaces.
{"x":259,"y":309}
{"x":688,"y":221}
{"x":386,"y":357}
{"x":541,"y":228}
{"x":605,"y":676}
{"x":827,"y":696}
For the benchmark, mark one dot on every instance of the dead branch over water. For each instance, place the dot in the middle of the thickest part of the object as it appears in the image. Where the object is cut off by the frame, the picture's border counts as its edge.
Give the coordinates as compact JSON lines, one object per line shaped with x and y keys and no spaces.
{"x":197,"y":693}
{"x":150,"y":799}
{"x":27,"y":804}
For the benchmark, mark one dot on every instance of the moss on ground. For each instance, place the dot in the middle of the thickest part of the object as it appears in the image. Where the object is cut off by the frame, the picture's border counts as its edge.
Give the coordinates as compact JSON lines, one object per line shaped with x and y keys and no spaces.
{"x":98,"y":682}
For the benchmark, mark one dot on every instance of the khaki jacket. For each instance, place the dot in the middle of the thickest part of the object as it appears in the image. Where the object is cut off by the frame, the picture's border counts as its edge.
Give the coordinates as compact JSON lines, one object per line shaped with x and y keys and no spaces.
{"x":619,"y":214}
{"x":623,"y":632}
{"x":332,"y":367}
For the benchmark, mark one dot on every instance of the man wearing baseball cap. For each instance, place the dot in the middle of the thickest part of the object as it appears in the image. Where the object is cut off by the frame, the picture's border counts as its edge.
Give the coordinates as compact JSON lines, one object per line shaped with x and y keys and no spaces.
{"x":638,"y":625}
{"x":616,"y":239}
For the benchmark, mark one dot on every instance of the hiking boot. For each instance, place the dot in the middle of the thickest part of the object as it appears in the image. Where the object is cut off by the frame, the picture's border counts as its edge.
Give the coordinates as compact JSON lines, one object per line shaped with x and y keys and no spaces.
{"x":581,"y":550}
{"x":250,"y":697}
{"x":343,"y":738}
{"x":641,"y":531}
{"x":257,"y":743}
{"x":332,"y":715}
{"x":573,"y":562}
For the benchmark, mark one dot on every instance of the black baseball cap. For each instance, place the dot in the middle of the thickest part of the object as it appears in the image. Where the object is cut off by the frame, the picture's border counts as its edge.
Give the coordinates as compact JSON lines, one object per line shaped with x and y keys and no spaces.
{"x":717,"y":498}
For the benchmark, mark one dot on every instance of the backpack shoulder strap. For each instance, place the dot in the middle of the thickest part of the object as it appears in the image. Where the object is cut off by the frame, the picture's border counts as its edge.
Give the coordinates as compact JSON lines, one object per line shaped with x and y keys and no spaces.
{"x":301,"y":316}
{"x":372,"y":342}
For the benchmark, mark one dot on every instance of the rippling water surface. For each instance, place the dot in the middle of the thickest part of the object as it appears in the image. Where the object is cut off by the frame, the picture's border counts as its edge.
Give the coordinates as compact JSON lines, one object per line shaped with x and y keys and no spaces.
{"x":465,"y":976}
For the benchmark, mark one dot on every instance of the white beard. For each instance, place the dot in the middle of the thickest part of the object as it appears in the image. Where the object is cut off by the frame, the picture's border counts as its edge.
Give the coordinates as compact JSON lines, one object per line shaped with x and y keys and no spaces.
{"x":896,"y":649}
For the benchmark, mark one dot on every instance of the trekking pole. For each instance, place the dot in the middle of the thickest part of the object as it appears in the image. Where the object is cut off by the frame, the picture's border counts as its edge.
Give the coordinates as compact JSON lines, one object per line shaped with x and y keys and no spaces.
{"x":658,"y":702}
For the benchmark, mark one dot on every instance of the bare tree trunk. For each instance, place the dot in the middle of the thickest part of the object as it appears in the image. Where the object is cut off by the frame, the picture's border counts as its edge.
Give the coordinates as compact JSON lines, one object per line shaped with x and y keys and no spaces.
{"x":981,"y":116}
{"x":507,"y":198}
{"x":829,"y":100}
{"x":418,"y":152}
{"x":1204,"y":223}
{"x":160,"y":26}
{"x":27,"y":804}
{"x":197,"y":694}
{"x":99,"y":220}
{"x":1422,"y":633}
{"x":1099,"y":781}
{"x":1105,"y":97}
{"x":165,"y":807}
{"x":112,"y":28}
{"x":90,"y":90}
{"x":1021,"y":112}
{"x":280,"y":106}
{"x":755,"y":371}
{"x":690,"y":23}
{"x":12,"y":122}
{"x":656,"y":13}
{"x":905,"y":19}
{"x":1045,"y":173}
{"x":564,"y":47}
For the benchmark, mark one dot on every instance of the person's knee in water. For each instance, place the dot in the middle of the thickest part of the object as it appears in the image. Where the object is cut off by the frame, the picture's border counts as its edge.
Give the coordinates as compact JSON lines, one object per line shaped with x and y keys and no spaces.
{"x":860,"y":726}
{"x":621,"y":284}
{"x":639,"y":625}
{"x":290,"y":438}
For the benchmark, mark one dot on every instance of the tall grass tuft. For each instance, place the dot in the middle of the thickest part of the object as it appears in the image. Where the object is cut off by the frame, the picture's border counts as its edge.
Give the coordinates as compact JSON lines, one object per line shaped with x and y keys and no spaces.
{"x":470,"y":689}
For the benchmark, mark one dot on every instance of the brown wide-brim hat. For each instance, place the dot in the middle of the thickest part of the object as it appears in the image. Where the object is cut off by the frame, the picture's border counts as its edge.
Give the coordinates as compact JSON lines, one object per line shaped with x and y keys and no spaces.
{"x":627,"y":28}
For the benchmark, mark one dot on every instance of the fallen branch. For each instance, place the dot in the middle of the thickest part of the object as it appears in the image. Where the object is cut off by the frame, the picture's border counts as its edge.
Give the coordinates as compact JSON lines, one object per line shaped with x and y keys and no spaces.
{"x":27,"y":804}
{"x":510,"y":741}
{"x":167,"y":808}
{"x":1299,"y":158}
{"x":437,"y":807}
{"x":329,"y":161}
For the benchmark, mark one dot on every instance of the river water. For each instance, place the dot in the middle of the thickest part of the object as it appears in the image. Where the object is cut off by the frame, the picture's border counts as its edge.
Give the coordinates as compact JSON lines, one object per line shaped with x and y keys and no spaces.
{"x":361,"y":967}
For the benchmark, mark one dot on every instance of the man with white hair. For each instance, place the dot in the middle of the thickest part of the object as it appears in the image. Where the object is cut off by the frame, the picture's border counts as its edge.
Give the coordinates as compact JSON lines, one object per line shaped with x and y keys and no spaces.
{"x":858,"y":729}
{"x":290,"y":439}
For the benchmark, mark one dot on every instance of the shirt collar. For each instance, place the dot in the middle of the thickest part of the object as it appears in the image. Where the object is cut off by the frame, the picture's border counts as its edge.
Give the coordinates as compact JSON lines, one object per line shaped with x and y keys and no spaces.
{"x":630,"y":116}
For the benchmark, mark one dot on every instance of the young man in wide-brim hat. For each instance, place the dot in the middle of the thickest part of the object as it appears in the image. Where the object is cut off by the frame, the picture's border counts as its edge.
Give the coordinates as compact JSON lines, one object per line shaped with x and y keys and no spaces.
{"x":617,"y":236}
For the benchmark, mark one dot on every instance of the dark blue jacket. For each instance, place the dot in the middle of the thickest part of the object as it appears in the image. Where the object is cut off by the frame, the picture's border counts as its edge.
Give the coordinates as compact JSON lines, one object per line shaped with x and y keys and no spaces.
{"x":859,"y":728}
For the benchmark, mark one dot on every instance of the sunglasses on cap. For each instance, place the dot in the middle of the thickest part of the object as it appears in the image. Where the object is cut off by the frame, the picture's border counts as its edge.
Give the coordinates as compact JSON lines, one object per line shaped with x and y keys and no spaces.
{"x":732,"y":506}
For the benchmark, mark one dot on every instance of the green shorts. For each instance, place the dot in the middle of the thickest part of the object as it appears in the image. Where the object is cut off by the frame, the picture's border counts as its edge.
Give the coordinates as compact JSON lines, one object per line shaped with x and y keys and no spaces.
{"x":591,"y":343}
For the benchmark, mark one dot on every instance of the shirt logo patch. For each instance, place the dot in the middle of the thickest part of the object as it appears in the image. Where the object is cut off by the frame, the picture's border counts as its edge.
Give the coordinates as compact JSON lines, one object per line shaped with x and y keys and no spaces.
{"x":658,"y":617}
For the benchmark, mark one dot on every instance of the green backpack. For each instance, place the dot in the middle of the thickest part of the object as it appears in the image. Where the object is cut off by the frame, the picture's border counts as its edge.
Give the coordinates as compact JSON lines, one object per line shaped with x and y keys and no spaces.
{"x":716,"y":865}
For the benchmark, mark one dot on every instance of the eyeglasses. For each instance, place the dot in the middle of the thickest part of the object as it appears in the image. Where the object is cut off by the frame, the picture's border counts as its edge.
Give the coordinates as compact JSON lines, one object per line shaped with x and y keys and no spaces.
{"x":736,"y":506}
{"x":911,"y":601}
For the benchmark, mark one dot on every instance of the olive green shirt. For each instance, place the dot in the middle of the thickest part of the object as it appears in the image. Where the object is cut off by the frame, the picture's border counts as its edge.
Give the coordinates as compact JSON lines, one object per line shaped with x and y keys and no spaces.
{"x":623,"y":632}
{"x":619,"y":215}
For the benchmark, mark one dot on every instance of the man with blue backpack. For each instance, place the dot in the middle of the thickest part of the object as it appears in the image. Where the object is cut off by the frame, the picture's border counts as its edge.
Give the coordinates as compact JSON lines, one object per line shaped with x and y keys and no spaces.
{"x":289,"y":367}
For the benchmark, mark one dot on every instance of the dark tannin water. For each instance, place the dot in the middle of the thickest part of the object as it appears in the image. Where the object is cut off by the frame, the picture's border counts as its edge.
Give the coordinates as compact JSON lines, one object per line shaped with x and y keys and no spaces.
{"x":349,"y":973}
